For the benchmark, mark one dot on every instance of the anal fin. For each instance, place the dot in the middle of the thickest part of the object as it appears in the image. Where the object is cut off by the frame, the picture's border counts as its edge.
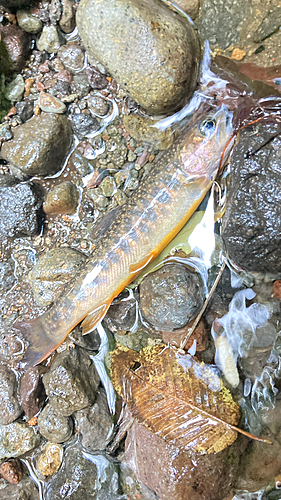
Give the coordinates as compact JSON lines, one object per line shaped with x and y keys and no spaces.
{"x":136,"y":268}
{"x":94,"y":317}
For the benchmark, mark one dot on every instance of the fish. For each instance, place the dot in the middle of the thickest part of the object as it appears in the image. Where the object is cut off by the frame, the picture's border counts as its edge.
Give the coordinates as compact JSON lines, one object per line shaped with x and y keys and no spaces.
{"x":137,"y":232}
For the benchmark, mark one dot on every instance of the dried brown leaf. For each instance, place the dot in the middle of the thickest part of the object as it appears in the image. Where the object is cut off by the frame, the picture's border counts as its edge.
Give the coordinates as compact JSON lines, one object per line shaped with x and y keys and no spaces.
{"x":177,"y":405}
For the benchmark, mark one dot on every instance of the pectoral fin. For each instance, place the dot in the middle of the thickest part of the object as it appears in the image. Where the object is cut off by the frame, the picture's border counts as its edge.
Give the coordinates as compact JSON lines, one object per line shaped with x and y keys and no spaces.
{"x":91,"y":321}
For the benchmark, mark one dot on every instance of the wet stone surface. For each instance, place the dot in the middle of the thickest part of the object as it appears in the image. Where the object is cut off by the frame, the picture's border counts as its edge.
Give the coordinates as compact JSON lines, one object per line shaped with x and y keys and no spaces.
{"x":25,"y":490}
{"x":53,"y":271}
{"x":12,"y":471}
{"x":81,"y":477}
{"x":17,"y":43}
{"x":32,"y":392}
{"x":20,"y":206}
{"x":50,"y":460}
{"x":251,"y":226}
{"x":174,"y":70}
{"x":170,"y":297}
{"x":72,"y":382}
{"x":10,"y":408}
{"x":53,"y":426}
{"x":16,"y":439}
{"x":39,"y":145}
{"x":95,"y":424}
{"x":62,"y":199}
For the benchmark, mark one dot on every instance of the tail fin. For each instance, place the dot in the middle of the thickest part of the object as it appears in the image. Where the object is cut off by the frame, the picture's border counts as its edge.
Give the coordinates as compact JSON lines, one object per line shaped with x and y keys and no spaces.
{"x":40,"y":344}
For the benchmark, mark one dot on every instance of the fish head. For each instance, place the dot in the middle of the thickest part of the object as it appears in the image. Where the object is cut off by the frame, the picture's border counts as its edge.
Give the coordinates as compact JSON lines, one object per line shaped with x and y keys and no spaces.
{"x":209,"y":140}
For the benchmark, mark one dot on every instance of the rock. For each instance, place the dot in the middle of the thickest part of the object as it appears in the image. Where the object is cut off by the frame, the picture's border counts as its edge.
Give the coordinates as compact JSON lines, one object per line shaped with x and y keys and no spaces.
{"x":251,"y":224}
{"x":67,"y":20}
{"x":28,"y":22}
{"x":39,"y":145}
{"x":14,"y":90}
{"x":17,"y":43}
{"x":72,"y":382}
{"x":100,"y":201}
{"x":81,"y":477}
{"x":51,"y":273}
{"x":50,"y":459}
{"x":10,"y":4}
{"x":81,"y":164}
{"x":142,"y":130}
{"x":32,"y":391}
{"x":107,"y":30}
{"x":90,"y":342}
{"x":5,"y":132}
{"x":190,"y":7}
{"x":80,"y":85}
{"x":53,"y":426}
{"x":122,"y":313}
{"x":173,"y":474}
{"x":98,"y":105}
{"x":12,"y":471}
{"x":84,"y":124}
{"x":259,"y":464}
{"x":96,"y":79}
{"x":16,"y":439}
{"x":170,"y":297}
{"x":61,"y":89}
{"x":108,"y":186}
{"x":55,"y":11}
{"x":50,"y":103}
{"x":217,"y":13}
{"x":7,"y":277}
{"x":269,"y":24}
{"x":19,"y":210}
{"x":72,"y":57}
{"x":25,"y":490}
{"x":177,"y":336}
{"x":62,"y":199}
{"x":10,"y":408}
{"x":95,"y":424}
{"x":49,"y":40}
{"x":25,"y":110}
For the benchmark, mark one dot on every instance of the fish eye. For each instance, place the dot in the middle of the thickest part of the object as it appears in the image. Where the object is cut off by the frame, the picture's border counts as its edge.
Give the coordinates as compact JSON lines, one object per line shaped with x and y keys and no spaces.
{"x":207,"y":127}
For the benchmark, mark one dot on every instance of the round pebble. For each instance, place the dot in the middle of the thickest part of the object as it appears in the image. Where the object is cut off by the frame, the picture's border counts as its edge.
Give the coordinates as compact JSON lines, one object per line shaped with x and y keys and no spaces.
{"x":50,"y":103}
{"x":54,"y":427}
{"x":50,"y":459}
{"x":29,"y":23}
{"x":62,"y":199}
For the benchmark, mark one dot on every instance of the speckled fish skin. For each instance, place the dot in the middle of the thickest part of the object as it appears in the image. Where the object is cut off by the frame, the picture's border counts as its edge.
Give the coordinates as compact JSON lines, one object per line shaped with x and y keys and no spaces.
{"x":164,"y":202}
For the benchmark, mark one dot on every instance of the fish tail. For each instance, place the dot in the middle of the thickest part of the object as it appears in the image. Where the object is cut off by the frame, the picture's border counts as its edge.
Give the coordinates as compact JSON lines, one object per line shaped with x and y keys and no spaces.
{"x":39,"y":344}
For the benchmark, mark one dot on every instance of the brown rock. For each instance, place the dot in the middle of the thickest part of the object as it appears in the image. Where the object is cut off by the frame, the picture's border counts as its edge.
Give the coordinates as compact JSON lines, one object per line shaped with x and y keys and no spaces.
{"x":260,"y":464}
{"x":177,"y":336}
{"x":62,"y":199}
{"x":32,"y":391}
{"x":277,"y":289}
{"x":67,"y":20}
{"x":39,"y":145}
{"x":190,"y":7}
{"x":12,"y":471}
{"x":17,"y":42}
{"x":177,"y":475}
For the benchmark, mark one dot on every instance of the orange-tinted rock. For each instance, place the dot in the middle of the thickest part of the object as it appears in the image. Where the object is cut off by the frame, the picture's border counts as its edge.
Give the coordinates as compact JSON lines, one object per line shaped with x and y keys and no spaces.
{"x":178,"y":475}
{"x":177,"y":336}
{"x":277,"y":289}
{"x":12,"y":471}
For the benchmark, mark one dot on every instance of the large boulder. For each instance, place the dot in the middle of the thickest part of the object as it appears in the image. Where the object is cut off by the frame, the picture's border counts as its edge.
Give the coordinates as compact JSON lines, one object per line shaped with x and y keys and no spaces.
{"x":252,"y":223}
{"x":40,"y":145}
{"x":149,"y":49}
